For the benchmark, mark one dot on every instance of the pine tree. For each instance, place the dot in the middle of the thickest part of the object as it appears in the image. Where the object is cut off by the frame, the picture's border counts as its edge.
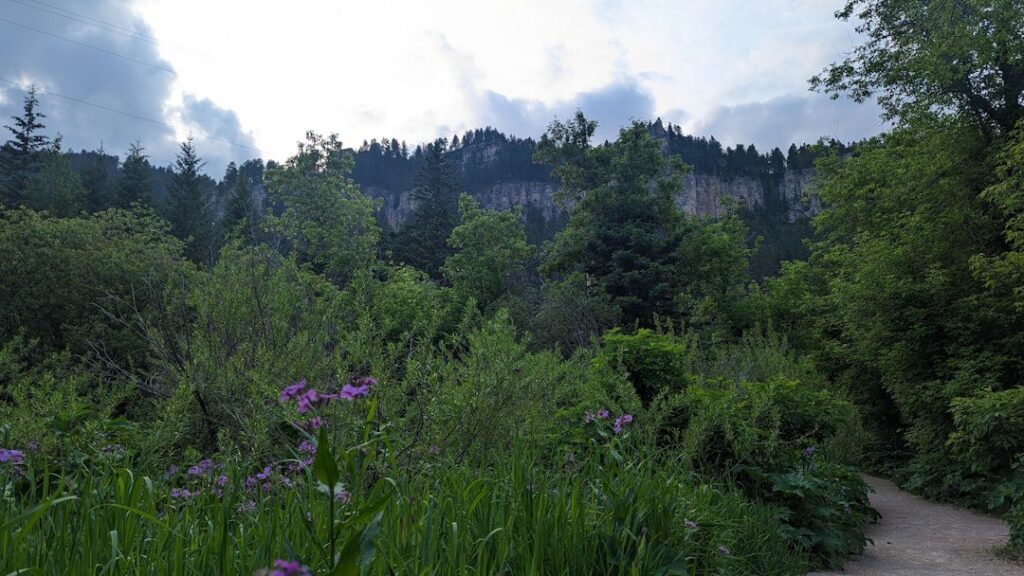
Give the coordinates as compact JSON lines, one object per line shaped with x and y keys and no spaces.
{"x":422,"y":241}
{"x":238,"y":214}
{"x":21,"y":156}
{"x":191,"y":207}
{"x":135,"y":184}
{"x":96,"y":180}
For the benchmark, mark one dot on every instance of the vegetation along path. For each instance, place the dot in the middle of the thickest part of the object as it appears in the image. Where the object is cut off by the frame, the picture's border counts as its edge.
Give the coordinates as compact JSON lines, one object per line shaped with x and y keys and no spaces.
{"x":917,"y":537}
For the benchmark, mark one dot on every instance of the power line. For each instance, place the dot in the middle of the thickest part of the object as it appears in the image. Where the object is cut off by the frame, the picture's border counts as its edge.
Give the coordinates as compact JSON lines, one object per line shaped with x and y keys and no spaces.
{"x":123,"y":113}
{"x":90,"y":46}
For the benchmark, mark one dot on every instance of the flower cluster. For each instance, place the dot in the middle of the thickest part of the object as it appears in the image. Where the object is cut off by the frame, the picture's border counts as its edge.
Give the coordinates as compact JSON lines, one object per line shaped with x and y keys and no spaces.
{"x":621,"y":422}
{"x":9,"y":457}
{"x":307,"y":398}
{"x":200,"y":478}
{"x":603,"y":414}
{"x":286,"y":568}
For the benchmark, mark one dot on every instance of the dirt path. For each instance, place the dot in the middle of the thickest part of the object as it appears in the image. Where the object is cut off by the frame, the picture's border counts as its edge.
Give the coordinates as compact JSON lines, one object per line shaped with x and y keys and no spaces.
{"x":916,"y":537}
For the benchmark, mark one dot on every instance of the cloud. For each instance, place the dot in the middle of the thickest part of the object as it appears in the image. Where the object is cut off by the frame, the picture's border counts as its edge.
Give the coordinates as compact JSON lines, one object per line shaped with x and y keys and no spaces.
{"x":219,"y":131}
{"x":791,"y":119}
{"x":613,"y":106}
{"x":71,"y":52}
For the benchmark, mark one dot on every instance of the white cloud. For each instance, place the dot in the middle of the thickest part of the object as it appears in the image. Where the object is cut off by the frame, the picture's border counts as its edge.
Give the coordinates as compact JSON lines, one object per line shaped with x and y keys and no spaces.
{"x":415,"y":70}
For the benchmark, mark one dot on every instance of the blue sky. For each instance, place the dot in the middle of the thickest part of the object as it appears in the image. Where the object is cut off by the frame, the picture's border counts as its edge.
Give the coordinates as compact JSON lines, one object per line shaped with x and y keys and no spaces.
{"x":259,"y":73}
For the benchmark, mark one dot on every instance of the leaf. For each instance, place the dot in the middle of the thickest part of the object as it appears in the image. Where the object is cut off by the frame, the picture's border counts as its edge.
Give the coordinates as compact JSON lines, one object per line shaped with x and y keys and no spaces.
{"x":325,"y":468}
{"x":359,"y":551}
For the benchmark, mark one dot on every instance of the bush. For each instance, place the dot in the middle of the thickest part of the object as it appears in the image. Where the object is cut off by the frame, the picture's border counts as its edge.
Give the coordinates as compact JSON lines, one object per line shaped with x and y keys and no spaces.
{"x":989,"y":443}
{"x":653,"y":362}
{"x":777,"y":440}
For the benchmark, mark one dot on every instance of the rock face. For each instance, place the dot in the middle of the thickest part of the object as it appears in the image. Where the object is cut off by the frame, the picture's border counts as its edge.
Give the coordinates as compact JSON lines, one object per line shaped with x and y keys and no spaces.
{"x":701,"y":195}
{"x":798,"y":189}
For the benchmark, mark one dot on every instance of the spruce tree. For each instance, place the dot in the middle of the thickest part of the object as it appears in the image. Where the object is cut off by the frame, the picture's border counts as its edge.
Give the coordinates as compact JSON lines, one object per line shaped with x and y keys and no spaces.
{"x":191,"y":207}
{"x":96,"y":180}
{"x":21,"y":156}
{"x":135,"y":184}
{"x":422,"y":242}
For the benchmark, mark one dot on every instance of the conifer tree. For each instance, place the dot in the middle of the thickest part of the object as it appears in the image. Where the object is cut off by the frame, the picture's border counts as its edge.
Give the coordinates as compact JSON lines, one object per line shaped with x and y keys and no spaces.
{"x":135,"y":184}
{"x":422,"y":241}
{"x":21,"y":156}
{"x":96,"y":181}
{"x":191,"y":206}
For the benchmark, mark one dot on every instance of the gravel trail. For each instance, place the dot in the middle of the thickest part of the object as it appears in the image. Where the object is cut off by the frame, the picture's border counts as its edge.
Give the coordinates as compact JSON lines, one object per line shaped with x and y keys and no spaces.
{"x":916,"y":537}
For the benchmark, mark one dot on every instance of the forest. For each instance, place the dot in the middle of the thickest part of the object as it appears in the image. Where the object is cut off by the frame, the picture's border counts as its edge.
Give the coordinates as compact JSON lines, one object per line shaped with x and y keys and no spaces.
{"x":255,"y":375}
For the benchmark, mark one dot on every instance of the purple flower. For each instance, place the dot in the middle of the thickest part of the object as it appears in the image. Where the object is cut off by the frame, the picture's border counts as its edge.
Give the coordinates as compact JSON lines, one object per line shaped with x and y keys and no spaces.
{"x":342,"y":496}
{"x":315,"y":423}
{"x":11,"y":456}
{"x":307,"y":447}
{"x":350,"y":392}
{"x":201,"y":469}
{"x":621,"y":422}
{"x":307,"y":400}
{"x":602,"y":414}
{"x":181,"y":494}
{"x":809,"y":451}
{"x":222,"y":480}
{"x":293,"y":390}
{"x":265,"y":473}
{"x":172,"y":470}
{"x":286,"y":568}
{"x":247,"y":506}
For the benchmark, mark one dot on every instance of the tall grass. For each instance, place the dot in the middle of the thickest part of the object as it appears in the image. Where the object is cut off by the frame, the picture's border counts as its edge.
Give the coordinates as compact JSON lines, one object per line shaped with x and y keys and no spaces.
{"x":601,"y":517}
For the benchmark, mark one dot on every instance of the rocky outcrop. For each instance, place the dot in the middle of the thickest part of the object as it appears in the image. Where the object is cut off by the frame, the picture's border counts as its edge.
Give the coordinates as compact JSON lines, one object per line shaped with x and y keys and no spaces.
{"x":701,"y":195}
{"x":798,"y":190}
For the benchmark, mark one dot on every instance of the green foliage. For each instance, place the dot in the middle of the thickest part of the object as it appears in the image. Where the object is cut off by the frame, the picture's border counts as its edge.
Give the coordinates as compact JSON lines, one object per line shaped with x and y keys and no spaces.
{"x":422,"y":241}
{"x":54,"y":187}
{"x":653,"y":362}
{"x":327,"y":221}
{"x":65,"y":278}
{"x":135,"y":184}
{"x":570,"y":313}
{"x":21,"y":156}
{"x":490,"y":249}
{"x":627,"y":236}
{"x":778,"y":440}
{"x":191,"y":205}
{"x":621,"y":233}
{"x":949,"y":55}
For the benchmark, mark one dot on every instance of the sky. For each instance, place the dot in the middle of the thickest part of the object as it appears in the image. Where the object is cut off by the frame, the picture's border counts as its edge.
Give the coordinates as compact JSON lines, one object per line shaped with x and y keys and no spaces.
{"x":249,"y":78}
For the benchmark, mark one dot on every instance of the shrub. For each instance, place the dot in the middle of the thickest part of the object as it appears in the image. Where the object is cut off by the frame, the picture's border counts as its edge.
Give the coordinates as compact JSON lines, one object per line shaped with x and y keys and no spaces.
{"x":774,"y":439}
{"x":653,"y":362}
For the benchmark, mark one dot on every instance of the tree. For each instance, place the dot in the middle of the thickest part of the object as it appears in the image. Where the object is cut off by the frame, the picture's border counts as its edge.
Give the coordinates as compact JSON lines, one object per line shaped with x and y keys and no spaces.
{"x":55,"y":188}
{"x":622,"y":231}
{"x":240,"y":211}
{"x":21,"y":156}
{"x":96,"y":181}
{"x":422,"y":241}
{"x":489,"y":249}
{"x":327,"y":221}
{"x":135,"y":185}
{"x":191,"y":205}
{"x":937,"y":56}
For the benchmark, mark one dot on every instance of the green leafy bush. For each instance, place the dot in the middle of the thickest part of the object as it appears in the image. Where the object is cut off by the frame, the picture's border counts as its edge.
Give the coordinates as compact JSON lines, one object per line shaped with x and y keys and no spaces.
{"x":774,"y":439}
{"x":653,"y":362}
